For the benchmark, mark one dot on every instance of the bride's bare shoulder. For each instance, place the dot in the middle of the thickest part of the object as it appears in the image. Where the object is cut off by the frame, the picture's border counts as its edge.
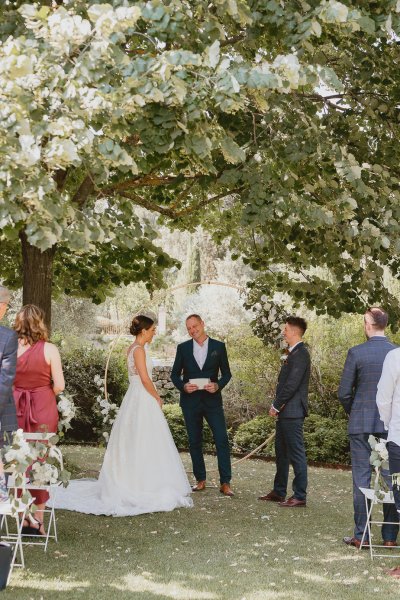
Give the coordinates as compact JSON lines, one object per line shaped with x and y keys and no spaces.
{"x":133,"y":347}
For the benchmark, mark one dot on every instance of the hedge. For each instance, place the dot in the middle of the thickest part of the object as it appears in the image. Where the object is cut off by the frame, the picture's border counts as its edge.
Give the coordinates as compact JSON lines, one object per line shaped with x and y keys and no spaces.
{"x":326,"y":439}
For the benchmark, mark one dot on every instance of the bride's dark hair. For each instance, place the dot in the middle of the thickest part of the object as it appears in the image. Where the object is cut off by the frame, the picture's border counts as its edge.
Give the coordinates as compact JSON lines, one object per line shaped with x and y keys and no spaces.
{"x":139,"y":323}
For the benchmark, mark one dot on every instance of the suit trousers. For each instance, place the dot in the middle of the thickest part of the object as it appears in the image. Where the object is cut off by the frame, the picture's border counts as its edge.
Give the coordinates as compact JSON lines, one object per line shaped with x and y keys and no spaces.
{"x":360,"y":452}
{"x":212,"y":411}
{"x":290,"y":450}
{"x":394,"y":467}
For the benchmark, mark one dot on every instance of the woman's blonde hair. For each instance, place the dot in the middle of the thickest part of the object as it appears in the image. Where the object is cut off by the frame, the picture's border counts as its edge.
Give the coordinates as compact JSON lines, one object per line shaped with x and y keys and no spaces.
{"x":30,"y":326}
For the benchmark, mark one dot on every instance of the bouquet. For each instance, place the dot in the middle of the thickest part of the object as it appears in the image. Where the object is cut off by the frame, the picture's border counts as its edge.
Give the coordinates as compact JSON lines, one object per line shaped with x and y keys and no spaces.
{"x":37,"y":462}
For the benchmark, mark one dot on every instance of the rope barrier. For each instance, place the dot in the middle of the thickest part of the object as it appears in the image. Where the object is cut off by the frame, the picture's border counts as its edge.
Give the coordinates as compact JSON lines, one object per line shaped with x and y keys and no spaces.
{"x":249,"y":455}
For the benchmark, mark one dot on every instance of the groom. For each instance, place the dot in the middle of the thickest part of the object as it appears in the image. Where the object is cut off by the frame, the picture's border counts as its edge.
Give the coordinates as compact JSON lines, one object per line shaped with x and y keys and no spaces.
{"x":202,"y":357}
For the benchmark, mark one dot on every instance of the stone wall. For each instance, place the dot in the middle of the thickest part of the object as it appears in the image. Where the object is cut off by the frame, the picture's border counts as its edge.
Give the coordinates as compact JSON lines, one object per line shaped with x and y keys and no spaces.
{"x":164,"y":385}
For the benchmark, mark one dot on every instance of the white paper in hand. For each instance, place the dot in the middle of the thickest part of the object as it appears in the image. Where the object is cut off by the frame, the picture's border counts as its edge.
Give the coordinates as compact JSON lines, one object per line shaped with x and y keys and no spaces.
{"x":200,"y":382}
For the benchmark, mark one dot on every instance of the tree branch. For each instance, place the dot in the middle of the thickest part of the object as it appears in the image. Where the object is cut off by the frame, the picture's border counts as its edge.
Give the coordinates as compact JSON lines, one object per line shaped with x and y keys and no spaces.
{"x":147,"y":181}
{"x":84,"y":190}
{"x":177,"y":213}
{"x":233,"y":40}
{"x":59,"y":177}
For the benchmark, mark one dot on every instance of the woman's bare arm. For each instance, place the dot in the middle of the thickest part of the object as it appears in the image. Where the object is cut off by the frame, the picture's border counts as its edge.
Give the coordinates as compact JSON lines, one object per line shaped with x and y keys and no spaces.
{"x":53,"y":359}
{"x":139,"y":357}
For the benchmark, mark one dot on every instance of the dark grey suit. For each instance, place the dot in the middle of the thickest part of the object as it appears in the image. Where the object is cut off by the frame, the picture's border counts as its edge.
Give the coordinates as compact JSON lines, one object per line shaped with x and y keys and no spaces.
{"x":357,"y":393}
{"x":8,"y":362}
{"x":291,"y":399}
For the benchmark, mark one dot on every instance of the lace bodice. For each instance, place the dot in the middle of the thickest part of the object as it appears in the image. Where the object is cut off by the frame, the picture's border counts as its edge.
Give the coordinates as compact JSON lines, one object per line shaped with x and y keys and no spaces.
{"x":132,"y":371}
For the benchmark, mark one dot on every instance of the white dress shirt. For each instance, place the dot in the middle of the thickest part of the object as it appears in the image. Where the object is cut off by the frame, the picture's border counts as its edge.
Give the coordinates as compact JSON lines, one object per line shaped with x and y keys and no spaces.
{"x":200,"y":352}
{"x":388,"y":395}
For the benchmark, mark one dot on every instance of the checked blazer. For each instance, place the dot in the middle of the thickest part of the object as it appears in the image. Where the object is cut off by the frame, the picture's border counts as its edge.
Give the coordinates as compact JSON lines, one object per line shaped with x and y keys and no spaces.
{"x":8,"y":362}
{"x":358,"y":386}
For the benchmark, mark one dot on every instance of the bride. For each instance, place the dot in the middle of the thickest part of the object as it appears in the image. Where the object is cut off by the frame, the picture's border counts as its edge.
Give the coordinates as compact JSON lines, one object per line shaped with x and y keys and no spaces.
{"x":142,"y":471}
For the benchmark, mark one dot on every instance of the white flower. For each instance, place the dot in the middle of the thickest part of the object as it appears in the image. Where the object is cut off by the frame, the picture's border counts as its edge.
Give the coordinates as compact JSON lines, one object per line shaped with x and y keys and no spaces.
{"x":30,"y":151}
{"x":288,"y":65}
{"x":61,"y":152}
{"x":65,"y":31}
{"x":334,"y":12}
{"x":43,"y":474}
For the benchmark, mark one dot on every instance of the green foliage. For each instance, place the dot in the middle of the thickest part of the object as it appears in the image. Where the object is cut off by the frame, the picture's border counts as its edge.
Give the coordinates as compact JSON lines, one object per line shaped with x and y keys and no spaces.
{"x":174,"y":107}
{"x":252,"y":434}
{"x":81,"y":364}
{"x":176,"y":423}
{"x":254,"y":369}
{"x":326,"y":439}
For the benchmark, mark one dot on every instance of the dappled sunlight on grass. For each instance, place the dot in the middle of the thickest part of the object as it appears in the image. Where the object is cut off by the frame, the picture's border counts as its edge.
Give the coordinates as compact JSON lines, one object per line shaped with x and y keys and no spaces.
{"x":223,"y":549}
{"x":32,"y":583}
{"x":146,"y":583}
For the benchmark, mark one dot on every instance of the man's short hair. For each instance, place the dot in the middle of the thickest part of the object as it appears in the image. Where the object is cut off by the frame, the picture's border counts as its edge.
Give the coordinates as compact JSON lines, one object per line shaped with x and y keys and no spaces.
{"x":379,"y":317}
{"x":298,"y":322}
{"x":193,"y":316}
{"x":4,"y":295}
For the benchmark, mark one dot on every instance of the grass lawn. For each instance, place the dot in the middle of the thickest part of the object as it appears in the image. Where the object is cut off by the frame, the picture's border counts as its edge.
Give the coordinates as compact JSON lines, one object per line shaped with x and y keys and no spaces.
{"x":236,"y":549}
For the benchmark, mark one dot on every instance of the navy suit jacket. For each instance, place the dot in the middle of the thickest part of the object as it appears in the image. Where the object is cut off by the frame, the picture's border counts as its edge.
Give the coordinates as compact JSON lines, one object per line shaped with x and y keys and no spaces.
{"x":291,"y":397}
{"x":358,"y":386}
{"x":216,"y":368}
{"x":8,"y":363}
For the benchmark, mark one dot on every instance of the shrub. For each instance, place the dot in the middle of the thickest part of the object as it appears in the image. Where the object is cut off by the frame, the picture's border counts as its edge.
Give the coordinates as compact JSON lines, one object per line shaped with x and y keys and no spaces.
{"x":253,"y":433}
{"x":326,"y":439}
{"x":80,"y":365}
{"x":176,"y":422}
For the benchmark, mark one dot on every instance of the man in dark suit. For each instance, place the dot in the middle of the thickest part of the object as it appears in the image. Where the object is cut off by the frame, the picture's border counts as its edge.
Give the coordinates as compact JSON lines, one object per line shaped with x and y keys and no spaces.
{"x":290,"y":409}
{"x":203,"y":358}
{"x":8,"y":362}
{"x":357,"y":393}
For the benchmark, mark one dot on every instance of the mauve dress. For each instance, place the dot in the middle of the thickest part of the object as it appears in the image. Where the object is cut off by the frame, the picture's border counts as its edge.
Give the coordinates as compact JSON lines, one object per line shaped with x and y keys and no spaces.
{"x":34,"y":398}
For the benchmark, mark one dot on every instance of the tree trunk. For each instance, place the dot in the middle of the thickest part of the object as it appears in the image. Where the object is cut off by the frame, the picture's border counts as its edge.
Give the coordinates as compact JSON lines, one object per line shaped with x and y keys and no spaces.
{"x":37,"y":276}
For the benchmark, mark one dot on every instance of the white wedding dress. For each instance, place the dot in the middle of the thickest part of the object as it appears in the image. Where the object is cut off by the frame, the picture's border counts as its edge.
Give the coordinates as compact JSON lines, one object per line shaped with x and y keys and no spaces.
{"x":142,"y":471}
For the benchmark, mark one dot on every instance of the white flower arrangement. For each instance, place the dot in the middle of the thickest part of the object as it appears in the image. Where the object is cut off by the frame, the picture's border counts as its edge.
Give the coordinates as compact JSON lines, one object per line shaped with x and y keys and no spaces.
{"x":67,"y":411}
{"x":379,"y":460}
{"x":106,"y":410}
{"x":36,"y":462}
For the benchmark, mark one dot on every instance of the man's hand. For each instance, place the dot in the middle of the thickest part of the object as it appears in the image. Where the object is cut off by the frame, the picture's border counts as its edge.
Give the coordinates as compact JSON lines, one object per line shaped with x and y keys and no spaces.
{"x":190,"y":387}
{"x":211,"y":387}
{"x":273,"y":412}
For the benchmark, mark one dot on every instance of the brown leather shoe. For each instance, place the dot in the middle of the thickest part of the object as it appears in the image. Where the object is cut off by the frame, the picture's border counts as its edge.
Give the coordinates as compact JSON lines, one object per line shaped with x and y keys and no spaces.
{"x":225,"y":489}
{"x":292,"y":502}
{"x":200,"y":486}
{"x":272,"y":497}
{"x":352,"y":541}
{"x":390,"y":544}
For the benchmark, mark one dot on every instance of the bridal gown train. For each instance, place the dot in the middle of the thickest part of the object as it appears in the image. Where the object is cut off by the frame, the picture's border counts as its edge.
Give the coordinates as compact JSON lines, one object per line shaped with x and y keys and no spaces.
{"x":142,"y":471}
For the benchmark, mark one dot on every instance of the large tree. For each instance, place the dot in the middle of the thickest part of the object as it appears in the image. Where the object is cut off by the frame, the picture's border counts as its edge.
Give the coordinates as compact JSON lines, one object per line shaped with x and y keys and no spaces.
{"x":281,"y":114}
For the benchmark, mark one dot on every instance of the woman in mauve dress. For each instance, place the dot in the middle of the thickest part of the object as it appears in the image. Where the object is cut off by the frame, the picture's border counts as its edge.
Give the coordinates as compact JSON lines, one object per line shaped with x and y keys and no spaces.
{"x":38,"y":380}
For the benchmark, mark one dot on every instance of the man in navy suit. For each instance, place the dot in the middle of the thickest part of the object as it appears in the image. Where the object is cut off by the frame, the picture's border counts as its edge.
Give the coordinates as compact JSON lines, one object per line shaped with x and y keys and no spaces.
{"x":290,"y":408}
{"x":357,"y":394}
{"x":8,"y":362}
{"x":203,"y":358}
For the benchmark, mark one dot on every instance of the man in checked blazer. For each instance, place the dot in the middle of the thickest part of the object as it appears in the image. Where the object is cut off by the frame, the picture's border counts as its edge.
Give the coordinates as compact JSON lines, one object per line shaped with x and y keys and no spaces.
{"x":8,"y":362}
{"x":203,"y":358}
{"x":357,"y":394}
{"x":290,"y":407}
